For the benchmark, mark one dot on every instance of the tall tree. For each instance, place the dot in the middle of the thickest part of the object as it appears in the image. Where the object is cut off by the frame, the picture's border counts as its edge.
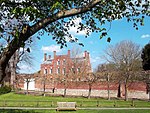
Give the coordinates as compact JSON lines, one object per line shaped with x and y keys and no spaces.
{"x":20,"y":20}
{"x":126,"y":57}
{"x":90,"y":79}
{"x":146,"y":65}
{"x":108,"y":73}
{"x":64,"y":79}
{"x":80,"y":64}
{"x":75,"y":68}
{"x":146,"y":57}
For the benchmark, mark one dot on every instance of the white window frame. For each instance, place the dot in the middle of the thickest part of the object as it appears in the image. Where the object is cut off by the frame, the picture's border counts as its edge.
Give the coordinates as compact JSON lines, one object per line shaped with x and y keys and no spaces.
{"x":51,"y":70}
{"x":45,"y":71}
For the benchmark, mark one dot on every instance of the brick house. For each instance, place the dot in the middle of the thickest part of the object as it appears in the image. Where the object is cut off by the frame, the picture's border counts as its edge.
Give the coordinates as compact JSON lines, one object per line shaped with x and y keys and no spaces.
{"x":64,"y":64}
{"x":60,"y":66}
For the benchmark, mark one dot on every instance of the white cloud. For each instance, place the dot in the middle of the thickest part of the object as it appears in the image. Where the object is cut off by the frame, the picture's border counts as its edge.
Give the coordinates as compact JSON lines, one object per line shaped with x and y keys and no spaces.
{"x":145,"y":36}
{"x":68,"y":39}
{"x":51,"y":48}
{"x":73,"y":29}
{"x":77,"y":21}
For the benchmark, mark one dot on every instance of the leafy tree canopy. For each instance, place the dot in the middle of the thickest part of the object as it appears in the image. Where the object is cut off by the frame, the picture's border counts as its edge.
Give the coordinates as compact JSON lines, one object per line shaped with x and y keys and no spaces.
{"x":50,"y":15}
{"x":21,"y":19}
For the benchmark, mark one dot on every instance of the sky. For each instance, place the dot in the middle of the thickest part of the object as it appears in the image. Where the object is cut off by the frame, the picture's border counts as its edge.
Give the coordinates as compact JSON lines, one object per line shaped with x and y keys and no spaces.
{"x":120,"y":30}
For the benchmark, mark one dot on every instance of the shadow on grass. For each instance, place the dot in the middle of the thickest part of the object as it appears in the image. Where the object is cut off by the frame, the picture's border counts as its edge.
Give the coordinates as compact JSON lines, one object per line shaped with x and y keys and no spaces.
{"x":17,"y":111}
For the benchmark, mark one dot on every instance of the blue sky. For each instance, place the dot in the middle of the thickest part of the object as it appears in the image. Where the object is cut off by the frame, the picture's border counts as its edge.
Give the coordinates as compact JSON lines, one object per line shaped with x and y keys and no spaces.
{"x":120,"y":30}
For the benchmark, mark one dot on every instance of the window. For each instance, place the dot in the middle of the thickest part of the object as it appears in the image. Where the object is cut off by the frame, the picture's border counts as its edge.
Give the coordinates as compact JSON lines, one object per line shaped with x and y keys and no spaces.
{"x":64,"y":62}
{"x":45,"y":71}
{"x":58,"y":70}
{"x":64,"y":70}
{"x":51,"y":71}
{"x":73,"y":70}
{"x":78,"y":70}
{"x":58,"y":62}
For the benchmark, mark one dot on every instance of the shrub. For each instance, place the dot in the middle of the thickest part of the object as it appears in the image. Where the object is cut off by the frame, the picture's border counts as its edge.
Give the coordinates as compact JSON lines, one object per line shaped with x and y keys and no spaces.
{"x":5,"y":89}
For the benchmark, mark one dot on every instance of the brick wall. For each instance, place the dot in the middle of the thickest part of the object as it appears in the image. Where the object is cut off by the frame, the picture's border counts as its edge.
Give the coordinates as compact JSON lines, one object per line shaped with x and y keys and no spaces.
{"x":136,"y":86}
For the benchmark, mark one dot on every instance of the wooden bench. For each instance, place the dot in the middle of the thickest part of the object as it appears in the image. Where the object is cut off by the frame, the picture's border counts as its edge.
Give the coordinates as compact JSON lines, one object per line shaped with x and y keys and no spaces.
{"x":66,"y":106}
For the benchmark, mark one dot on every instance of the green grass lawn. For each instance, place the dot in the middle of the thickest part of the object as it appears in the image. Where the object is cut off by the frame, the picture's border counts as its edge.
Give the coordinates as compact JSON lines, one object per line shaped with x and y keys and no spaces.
{"x":12,"y":100}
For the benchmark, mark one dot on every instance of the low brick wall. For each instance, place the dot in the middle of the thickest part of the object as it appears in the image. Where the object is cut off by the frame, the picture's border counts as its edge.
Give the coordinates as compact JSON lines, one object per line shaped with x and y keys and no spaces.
{"x":138,"y":94}
{"x":84,"y":92}
{"x":99,"y":89}
{"x":98,"y":93}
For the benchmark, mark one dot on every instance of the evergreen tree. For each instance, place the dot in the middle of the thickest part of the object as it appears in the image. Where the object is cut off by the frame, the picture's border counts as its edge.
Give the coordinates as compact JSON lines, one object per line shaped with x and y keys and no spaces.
{"x":146,"y":57}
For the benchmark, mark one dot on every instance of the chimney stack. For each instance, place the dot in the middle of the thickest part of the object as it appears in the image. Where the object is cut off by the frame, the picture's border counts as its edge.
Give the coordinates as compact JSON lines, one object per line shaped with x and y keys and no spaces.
{"x":88,"y":55}
{"x":45,"y":56}
{"x":54,"y":54}
{"x":49,"y":57}
{"x":69,"y":53}
{"x":85,"y":54}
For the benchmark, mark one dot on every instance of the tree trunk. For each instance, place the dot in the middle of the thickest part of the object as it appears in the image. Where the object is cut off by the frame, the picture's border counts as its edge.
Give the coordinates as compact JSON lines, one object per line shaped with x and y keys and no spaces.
{"x":2,"y":74}
{"x":27,"y":87}
{"x":89,"y":94}
{"x":65,"y":92}
{"x":15,"y":44}
{"x":53,"y":90}
{"x":149,"y":95}
{"x":119,"y":90}
{"x":108,"y":87}
{"x":126,"y":92}
{"x":44,"y":87}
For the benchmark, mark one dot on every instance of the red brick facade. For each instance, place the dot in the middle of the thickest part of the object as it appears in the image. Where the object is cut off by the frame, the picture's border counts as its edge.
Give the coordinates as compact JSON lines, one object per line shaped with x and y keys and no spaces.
{"x":63,"y":64}
{"x":59,"y":66}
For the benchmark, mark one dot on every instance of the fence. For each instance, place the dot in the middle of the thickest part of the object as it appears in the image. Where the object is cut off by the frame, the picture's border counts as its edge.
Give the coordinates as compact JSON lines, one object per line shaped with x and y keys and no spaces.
{"x":80,"y":104}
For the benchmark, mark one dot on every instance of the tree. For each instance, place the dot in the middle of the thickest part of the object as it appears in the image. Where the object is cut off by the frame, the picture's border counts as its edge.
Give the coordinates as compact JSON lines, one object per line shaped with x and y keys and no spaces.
{"x":90,"y":79}
{"x":11,"y":69}
{"x":20,"y":20}
{"x":79,"y":65}
{"x":21,"y":56}
{"x":75,"y":68}
{"x":108,"y":73}
{"x":126,"y":57}
{"x":146,"y":57}
{"x":65,"y":80}
{"x":45,"y":80}
{"x":146,"y":65}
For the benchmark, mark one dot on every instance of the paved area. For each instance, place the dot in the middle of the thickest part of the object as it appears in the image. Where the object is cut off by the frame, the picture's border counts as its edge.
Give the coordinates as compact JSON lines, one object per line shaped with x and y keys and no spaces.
{"x":28,"y":108}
